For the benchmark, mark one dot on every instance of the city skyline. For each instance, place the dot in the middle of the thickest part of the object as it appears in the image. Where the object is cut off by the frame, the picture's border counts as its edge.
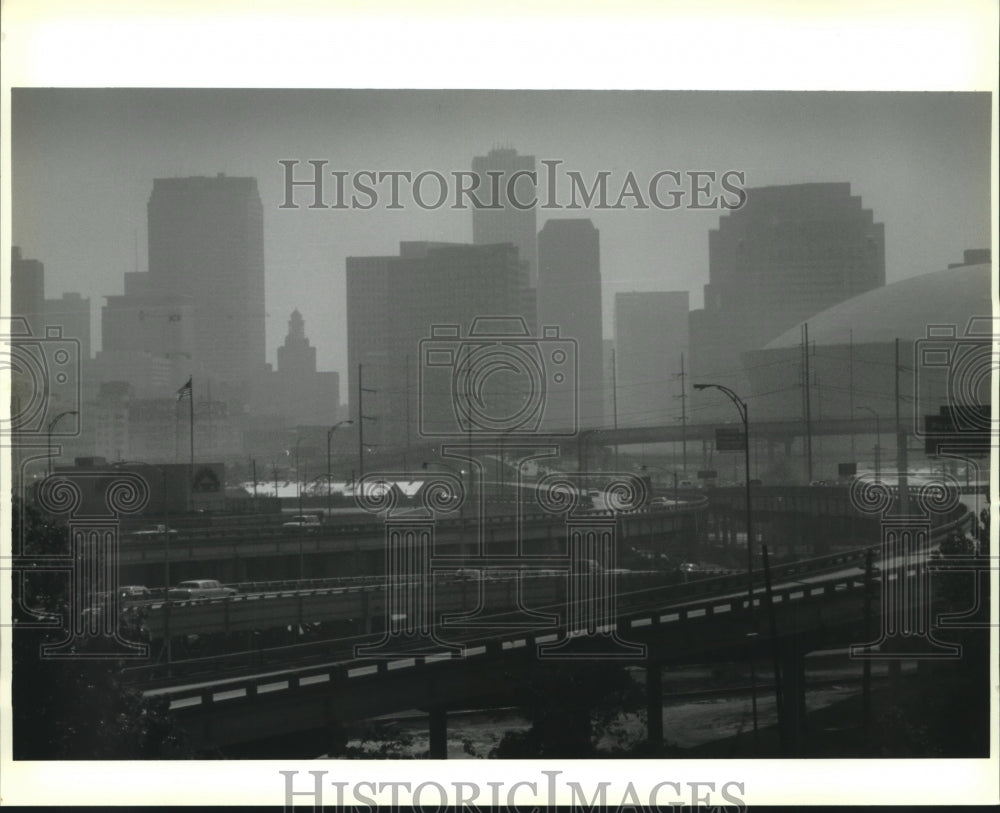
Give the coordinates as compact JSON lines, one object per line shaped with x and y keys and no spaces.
{"x":306,"y":250}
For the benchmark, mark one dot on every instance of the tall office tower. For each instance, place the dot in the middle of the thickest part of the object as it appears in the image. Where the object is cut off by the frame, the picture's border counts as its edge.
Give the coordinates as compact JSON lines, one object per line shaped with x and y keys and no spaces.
{"x":502,"y":220}
{"x":790,"y":252}
{"x":27,"y":291}
{"x":651,"y":332}
{"x":569,"y":297}
{"x":71,"y":312}
{"x":206,"y":241}
{"x":147,"y":338}
{"x":395,"y":302}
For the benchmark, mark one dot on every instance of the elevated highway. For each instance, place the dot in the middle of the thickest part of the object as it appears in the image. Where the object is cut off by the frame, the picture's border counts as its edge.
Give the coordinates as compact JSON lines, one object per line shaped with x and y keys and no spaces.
{"x":817,"y":604}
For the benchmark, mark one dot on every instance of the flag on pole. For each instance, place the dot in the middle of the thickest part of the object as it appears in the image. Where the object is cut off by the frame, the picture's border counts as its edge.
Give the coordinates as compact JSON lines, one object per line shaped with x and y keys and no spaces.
{"x":185,"y":391}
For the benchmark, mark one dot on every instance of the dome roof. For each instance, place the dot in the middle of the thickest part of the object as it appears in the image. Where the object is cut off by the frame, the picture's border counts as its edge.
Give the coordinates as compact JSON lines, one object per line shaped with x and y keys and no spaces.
{"x":902,"y":310}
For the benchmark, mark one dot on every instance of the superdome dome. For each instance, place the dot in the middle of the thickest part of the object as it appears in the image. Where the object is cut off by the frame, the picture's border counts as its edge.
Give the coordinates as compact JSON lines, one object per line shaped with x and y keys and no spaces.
{"x":902,"y":310}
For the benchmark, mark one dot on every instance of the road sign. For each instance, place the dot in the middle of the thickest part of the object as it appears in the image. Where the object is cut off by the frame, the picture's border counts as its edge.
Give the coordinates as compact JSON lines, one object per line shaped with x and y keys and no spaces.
{"x":846,"y":470}
{"x":729,"y":440}
{"x":708,"y":474}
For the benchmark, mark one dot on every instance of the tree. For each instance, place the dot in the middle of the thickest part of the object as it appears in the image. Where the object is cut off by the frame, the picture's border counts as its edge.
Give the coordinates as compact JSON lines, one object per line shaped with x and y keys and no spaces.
{"x":74,"y":708}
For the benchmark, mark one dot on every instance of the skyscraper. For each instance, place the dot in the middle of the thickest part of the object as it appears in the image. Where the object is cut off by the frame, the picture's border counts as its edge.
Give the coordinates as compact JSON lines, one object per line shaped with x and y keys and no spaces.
{"x":71,"y":312}
{"x":27,"y":291}
{"x":569,"y":296}
{"x":501,"y":220}
{"x":790,"y":252}
{"x":206,"y":241}
{"x":395,"y":302}
{"x":651,"y":332}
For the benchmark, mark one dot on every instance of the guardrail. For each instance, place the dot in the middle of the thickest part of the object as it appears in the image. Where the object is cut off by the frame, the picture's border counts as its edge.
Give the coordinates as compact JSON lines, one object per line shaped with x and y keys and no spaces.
{"x":495,"y":646}
{"x":271,"y":530}
{"x":299,"y":604}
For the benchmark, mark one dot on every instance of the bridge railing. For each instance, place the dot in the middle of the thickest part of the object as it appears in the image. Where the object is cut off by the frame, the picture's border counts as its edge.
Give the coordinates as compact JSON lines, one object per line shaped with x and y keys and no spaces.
{"x":272,"y":530}
{"x":194,"y":700}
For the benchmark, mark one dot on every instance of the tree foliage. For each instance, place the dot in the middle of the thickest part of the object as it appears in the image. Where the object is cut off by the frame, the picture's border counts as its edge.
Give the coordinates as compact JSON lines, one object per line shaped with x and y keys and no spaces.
{"x":73,"y":707}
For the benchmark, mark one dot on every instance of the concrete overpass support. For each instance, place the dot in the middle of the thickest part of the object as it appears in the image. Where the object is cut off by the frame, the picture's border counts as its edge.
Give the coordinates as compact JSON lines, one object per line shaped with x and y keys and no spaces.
{"x":654,"y":704}
{"x":438,"y":724}
{"x":793,"y":695}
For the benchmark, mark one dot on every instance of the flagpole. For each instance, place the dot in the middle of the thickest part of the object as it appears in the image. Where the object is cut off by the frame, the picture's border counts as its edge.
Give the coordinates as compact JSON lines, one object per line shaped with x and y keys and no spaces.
{"x":191,"y":423}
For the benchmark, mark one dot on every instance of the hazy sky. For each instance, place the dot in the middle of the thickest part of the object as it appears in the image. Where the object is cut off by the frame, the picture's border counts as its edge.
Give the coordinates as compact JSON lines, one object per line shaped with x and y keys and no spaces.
{"x":84,"y":161}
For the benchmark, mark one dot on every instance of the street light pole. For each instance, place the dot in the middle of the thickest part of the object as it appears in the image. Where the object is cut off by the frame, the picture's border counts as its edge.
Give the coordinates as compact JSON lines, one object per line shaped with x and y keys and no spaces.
{"x":298,"y":479}
{"x":741,"y":406}
{"x":878,"y":438}
{"x":329,"y":432}
{"x":52,"y":425}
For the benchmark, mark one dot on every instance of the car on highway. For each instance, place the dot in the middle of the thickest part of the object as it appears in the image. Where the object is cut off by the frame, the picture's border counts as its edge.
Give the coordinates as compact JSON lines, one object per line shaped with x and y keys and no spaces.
{"x":155,"y":532}
{"x":134,"y":592}
{"x":194,"y":589}
{"x":302,"y":522}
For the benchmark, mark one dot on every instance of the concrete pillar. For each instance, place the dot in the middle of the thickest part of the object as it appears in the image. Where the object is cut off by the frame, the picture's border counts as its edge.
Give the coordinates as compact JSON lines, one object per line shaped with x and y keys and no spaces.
{"x":438,"y":723}
{"x":793,"y":694}
{"x":654,"y":704}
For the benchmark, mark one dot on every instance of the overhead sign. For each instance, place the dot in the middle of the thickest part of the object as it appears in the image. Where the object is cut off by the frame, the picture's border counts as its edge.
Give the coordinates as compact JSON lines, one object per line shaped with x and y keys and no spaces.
{"x":708,"y":474}
{"x":729,"y":440}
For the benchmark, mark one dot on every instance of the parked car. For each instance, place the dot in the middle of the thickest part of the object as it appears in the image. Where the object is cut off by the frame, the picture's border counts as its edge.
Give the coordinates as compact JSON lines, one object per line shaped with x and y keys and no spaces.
{"x":302,"y":522}
{"x":199,"y":589}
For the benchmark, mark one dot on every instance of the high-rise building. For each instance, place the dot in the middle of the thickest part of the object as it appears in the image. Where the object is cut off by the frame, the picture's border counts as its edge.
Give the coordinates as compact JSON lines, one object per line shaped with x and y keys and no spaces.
{"x":71,"y":312}
{"x":206,"y":242}
{"x":501,"y":220}
{"x":569,"y":297}
{"x":27,"y":291}
{"x":651,"y":333}
{"x":147,"y":338}
{"x":395,"y":302}
{"x":788,"y":253}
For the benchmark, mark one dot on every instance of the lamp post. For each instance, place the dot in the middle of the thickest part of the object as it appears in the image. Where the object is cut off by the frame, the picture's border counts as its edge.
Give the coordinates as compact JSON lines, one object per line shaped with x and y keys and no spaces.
{"x":298,"y":479}
{"x":329,"y":432}
{"x":878,"y":437}
{"x":52,"y":425}
{"x":741,"y":406}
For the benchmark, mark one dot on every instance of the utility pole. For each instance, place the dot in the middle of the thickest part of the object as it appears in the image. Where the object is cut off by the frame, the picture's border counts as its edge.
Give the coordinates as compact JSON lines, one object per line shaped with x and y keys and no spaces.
{"x":850,"y":384}
{"x":902,"y":462}
{"x":361,"y":422}
{"x":683,"y":397}
{"x":253,"y":469}
{"x":406,"y":453}
{"x":807,"y":401}
{"x":614,"y":397}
